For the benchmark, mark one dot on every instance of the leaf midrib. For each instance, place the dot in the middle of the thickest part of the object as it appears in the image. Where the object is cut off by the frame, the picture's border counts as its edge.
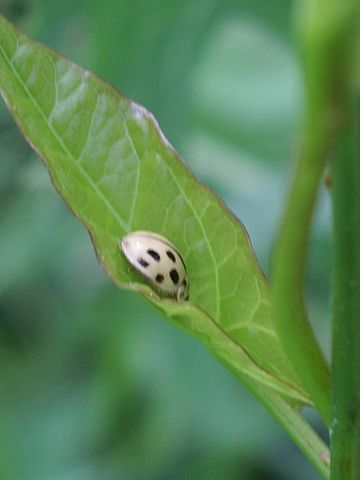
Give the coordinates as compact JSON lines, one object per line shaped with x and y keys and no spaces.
{"x":265,"y":372}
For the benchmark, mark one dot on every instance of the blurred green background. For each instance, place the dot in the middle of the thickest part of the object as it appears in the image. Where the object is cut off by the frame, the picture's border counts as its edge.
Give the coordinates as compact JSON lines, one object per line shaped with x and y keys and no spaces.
{"x":94,"y":383}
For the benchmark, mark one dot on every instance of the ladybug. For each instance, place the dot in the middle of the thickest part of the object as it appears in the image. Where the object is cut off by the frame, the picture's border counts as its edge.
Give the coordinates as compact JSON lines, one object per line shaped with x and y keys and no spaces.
{"x":159,"y":261}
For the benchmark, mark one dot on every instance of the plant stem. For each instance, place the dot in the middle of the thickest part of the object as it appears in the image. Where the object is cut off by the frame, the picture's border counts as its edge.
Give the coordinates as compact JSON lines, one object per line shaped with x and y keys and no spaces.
{"x":289,"y":263}
{"x":325,"y":28}
{"x":345,"y":441}
{"x":297,"y":428}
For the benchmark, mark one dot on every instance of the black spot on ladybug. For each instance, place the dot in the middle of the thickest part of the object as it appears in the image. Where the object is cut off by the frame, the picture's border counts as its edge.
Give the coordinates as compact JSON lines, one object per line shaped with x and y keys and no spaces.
{"x":171,"y":256}
{"x":159,"y":278}
{"x":174,"y":276}
{"x":154,"y":255}
{"x":143,"y":262}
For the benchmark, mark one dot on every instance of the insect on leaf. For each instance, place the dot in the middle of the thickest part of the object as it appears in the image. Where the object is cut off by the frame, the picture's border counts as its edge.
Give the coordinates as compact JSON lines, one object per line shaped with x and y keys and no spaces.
{"x":117,"y":172}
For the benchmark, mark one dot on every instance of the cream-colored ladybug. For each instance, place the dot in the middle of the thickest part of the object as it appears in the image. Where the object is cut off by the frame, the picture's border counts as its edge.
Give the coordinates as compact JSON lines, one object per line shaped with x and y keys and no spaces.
{"x":158,"y":260}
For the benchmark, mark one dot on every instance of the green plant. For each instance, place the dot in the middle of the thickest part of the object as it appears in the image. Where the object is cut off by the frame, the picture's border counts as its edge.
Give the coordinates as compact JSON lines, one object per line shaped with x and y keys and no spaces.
{"x":114,"y":168}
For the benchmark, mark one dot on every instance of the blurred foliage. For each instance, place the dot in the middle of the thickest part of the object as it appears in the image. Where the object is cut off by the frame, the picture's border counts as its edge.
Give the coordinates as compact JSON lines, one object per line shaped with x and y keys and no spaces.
{"x":93,"y":383}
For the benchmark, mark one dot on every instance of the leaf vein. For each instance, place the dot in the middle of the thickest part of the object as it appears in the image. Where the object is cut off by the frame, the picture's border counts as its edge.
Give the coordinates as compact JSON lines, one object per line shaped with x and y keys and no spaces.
{"x":205,"y":236}
{"x":91,"y":182}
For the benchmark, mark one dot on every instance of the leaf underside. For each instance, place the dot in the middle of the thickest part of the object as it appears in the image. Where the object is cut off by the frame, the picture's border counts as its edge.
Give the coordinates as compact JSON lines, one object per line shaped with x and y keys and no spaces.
{"x":117,"y":172}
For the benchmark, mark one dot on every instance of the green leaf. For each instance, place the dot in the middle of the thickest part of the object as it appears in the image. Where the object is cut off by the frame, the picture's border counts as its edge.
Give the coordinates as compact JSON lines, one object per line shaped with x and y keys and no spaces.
{"x":116,"y":171}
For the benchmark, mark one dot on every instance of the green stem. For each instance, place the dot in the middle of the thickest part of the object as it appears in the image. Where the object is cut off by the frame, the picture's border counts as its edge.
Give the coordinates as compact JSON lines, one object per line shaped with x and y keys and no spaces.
{"x":297,"y":428}
{"x":326,"y":28}
{"x":290,"y":253}
{"x":289,"y":263}
{"x":345,"y":441}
